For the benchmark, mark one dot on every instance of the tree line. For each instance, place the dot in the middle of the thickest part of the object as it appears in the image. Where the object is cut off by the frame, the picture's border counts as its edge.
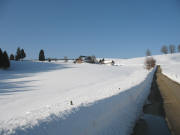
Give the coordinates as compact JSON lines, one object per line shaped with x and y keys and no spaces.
{"x":150,"y":62}
{"x":166,"y":49}
{"x":5,"y":59}
{"x":20,"y":55}
{"x":170,"y":49}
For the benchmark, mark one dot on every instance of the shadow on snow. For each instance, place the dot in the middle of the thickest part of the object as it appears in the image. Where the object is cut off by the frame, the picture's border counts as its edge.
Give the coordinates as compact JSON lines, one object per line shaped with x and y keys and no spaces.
{"x":114,"y":115}
{"x":22,"y":69}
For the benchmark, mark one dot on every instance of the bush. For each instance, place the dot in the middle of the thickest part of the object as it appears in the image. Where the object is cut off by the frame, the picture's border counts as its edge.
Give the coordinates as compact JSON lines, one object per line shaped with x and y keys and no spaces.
{"x":150,"y":62}
{"x":49,"y":60}
{"x":113,"y":63}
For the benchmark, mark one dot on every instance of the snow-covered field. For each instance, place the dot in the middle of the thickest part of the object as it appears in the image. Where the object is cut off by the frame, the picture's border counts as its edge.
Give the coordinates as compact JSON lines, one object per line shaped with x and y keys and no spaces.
{"x":35,"y":98}
{"x":170,"y":65}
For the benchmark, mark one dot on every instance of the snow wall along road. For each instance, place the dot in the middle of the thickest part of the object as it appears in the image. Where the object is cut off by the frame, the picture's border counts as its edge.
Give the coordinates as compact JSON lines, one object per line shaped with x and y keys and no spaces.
{"x":115,"y":115}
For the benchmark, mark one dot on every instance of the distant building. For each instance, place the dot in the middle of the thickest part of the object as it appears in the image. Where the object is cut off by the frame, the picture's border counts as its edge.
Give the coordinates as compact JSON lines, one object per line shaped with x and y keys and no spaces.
{"x":79,"y":61}
{"x":107,"y":62}
{"x":87,"y":59}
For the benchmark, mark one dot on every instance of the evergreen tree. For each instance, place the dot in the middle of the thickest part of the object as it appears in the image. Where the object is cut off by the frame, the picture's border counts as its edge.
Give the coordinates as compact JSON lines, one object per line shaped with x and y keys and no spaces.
{"x":1,"y":58}
{"x":18,"y":54}
{"x":11,"y":57}
{"x":23,"y":54}
{"x":5,"y":61}
{"x":41,"y":55}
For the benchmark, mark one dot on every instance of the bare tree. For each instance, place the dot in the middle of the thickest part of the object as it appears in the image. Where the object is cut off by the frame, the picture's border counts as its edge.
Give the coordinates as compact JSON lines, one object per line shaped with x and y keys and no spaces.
{"x":164,"y":49}
{"x":148,"y":52}
{"x":150,"y":62}
{"x":178,"y":48}
{"x":65,"y":59}
{"x":172,"y":48}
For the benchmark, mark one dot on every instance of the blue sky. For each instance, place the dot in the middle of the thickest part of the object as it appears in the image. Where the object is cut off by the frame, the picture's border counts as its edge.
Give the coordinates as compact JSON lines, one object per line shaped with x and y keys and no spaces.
{"x":105,"y":28}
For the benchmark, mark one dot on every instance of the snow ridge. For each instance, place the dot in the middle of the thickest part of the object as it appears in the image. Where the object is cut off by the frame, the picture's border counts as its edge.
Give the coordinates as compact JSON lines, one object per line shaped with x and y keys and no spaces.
{"x":106,"y":99}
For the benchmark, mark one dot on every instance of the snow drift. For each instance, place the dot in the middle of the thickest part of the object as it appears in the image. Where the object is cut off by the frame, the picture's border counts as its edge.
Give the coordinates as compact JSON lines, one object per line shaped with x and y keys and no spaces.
{"x":35,"y":98}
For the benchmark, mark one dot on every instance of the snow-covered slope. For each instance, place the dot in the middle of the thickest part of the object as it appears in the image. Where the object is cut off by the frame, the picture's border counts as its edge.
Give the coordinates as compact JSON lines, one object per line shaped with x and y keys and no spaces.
{"x":35,"y":98}
{"x":170,"y":65}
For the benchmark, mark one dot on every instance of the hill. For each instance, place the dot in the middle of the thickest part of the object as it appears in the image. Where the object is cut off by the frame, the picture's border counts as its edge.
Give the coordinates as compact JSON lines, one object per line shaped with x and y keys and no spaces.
{"x":35,"y":97}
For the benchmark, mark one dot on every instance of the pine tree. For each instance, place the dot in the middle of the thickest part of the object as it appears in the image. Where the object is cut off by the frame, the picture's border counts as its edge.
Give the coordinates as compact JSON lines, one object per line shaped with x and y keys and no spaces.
{"x":1,"y":58}
{"x":23,"y":54}
{"x":18,"y":54}
{"x":41,"y":55}
{"x":6,"y":63}
{"x":11,"y":57}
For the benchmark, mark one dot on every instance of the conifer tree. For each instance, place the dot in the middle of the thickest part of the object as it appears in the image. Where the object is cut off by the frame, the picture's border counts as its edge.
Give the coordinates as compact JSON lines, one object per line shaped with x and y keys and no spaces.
{"x":1,"y":58}
{"x":41,"y":55}
{"x":23,"y":54}
{"x":5,"y":62}
{"x":11,"y":57}
{"x":18,"y":54}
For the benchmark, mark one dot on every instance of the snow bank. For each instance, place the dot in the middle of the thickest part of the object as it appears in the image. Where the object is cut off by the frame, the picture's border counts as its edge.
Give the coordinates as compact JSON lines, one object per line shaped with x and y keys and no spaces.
{"x":35,"y":98}
{"x":170,"y":65}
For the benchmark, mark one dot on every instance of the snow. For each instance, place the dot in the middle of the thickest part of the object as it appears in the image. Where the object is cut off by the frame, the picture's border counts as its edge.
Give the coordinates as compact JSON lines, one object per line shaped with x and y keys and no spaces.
{"x":35,"y":97}
{"x":170,"y":64}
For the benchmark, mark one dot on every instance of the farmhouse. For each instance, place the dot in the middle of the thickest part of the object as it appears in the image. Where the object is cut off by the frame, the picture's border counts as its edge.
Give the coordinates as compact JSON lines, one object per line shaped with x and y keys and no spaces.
{"x":78,"y":60}
{"x":87,"y":59}
{"x":107,"y":62}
